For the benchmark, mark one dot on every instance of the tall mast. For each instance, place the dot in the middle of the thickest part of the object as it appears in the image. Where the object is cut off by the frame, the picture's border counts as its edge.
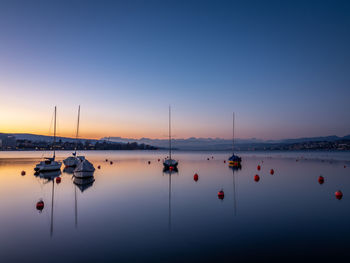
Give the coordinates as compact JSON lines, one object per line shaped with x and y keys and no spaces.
{"x":233,"y":131}
{"x":54,"y":137}
{"x":77,"y":133}
{"x":169,"y":132}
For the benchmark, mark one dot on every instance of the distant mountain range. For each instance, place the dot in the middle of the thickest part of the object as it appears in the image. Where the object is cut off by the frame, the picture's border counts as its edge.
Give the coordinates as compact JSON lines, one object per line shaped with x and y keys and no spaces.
{"x":190,"y":143}
{"x":220,"y":144}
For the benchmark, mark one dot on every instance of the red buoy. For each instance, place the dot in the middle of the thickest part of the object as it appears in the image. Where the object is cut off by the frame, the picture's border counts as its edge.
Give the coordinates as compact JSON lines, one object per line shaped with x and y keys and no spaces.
{"x":58,"y":180}
{"x":171,"y":168}
{"x":256,"y":178}
{"x":23,"y":173}
{"x":106,"y":160}
{"x":338,"y":195}
{"x":224,"y":161}
{"x":259,"y":167}
{"x":158,"y":160}
{"x":99,"y":167}
{"x":221,"y":194}
{"x":208,"y":159}
{"x":149,"y":162}
{"x":111,"y":162}
{"x":195,"y":177}
{"x":321,"y":179}
{"x":344,"y":166}
{"x":272,"y":171}
{"x":40,"y":205}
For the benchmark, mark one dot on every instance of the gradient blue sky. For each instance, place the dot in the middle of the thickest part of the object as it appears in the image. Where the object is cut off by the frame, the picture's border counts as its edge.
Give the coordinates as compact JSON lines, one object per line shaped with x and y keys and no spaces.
{"x":282,"y":66}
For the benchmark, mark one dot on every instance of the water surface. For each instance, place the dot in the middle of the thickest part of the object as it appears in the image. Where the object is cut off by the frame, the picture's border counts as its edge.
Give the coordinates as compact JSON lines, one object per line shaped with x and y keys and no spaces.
{"x":134,"y":212}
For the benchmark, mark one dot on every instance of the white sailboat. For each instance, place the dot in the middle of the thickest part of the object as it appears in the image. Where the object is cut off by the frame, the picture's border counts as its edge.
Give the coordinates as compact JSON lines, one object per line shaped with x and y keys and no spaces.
{"x":74,"y":160}
{"x":169,"y":163}
{"x":85,"y":169}
{"x":50,"y":164}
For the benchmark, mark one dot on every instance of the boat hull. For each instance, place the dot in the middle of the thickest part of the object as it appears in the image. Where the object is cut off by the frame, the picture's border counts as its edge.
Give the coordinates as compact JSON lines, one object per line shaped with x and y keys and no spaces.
{"x":170,"y":163}
{"x":234,"y":163}
{"x":73,"y":161}
{"x":42,"y":167}
{"x":83,"y":174}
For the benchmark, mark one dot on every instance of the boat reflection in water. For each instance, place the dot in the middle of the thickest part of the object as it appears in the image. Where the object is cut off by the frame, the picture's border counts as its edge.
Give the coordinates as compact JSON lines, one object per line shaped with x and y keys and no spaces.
{"x":68,"y":169}
{"x":49,"y":176}
{"x":83,"y":184}
{"x":169,"y":172}
{"x":234,"y":169}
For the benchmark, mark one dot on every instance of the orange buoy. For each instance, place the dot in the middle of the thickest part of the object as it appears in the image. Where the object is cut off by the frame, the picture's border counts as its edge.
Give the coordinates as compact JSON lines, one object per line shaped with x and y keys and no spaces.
{"x":338,"y":195}
{"x":272,"y":171}
{"x":259,"y":167}
{"x":195,"y":177}
{"x":256,"y":178}
{"x":221,"y":194}
{"x":23,"y":173}
{"x":321,"y":179}
{"x":40,"y":205}
{"x":58,"y":180}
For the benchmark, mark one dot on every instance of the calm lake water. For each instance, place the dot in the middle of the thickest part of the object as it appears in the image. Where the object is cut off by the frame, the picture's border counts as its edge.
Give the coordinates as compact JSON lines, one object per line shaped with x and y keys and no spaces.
{"x":133,"y":212}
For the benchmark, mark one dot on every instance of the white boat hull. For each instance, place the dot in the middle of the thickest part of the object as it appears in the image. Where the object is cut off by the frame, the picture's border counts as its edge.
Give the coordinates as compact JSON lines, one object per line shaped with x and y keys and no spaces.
{"x":73,"y":161}
{"x":52,"y":166}
{"x":85,"y":174}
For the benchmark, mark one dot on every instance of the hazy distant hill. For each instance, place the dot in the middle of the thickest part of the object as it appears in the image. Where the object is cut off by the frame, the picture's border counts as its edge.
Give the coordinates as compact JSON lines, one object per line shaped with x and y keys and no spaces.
{"x":221,"y":144}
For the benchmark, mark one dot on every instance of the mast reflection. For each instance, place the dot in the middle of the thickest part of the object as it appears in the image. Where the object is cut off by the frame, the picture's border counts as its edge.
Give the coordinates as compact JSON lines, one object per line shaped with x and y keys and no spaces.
{"x":82,"y":184}
{"x":170,"y":172}
{"x":49,"y":176}
{"x":234,"y":169}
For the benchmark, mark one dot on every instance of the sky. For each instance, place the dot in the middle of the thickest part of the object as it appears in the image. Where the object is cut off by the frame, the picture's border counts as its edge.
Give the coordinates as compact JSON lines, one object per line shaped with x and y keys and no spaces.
{"x":283,"y":67}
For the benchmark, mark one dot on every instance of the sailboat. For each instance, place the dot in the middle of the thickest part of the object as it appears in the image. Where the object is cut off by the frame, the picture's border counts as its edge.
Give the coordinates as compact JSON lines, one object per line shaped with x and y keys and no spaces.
{"x":234,"y":160}
{"x":50,"y":164}
{"x":74,"y":160}
{"x":169,"y":163}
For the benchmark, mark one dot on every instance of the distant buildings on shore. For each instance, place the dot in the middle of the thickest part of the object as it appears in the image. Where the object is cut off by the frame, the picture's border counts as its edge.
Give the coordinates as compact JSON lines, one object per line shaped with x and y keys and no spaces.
{"x":9,"y":142}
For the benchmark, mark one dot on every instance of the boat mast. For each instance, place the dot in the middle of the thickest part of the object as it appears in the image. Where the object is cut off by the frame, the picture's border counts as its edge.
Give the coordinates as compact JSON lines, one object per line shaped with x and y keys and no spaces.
{"x":54,"y":137}
{"x":169,"y":132}
{"x":77,"y":133}
{"x":233,"y":131}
